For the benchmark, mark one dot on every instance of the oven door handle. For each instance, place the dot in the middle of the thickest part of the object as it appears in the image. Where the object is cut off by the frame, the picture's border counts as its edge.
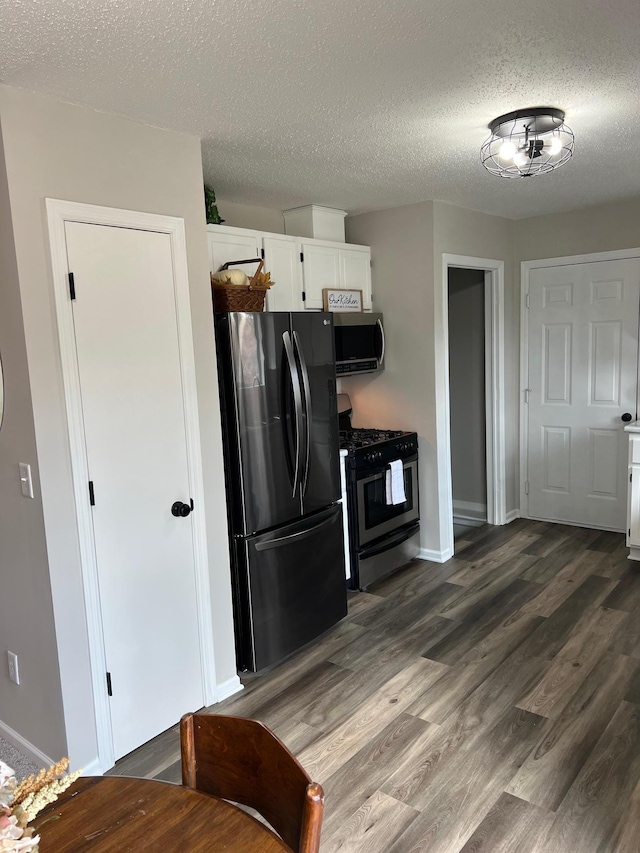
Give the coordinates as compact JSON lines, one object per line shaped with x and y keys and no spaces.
{"x":407,"y":462}
{"x":297,"y":400}
{"x":389,"y":542}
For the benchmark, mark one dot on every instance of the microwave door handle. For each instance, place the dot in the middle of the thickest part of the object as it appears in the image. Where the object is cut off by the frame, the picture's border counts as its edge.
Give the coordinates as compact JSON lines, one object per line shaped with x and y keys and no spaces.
{"x":381,"y":327}
{"x":307,"y":409}
{"x":297,"y":399}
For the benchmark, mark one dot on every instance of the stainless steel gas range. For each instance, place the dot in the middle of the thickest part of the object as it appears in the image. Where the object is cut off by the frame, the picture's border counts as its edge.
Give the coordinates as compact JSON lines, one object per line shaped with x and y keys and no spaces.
{"x":383,"y":536}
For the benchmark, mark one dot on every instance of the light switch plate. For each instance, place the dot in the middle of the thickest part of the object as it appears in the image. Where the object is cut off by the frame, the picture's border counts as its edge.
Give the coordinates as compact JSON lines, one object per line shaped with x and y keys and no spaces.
{"x":14,"y":672}
{"x":26,"y":483}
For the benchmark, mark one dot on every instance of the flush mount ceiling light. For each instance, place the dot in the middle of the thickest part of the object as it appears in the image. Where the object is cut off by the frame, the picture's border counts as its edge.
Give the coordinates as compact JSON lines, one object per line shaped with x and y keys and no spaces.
{"x":527,"y":142}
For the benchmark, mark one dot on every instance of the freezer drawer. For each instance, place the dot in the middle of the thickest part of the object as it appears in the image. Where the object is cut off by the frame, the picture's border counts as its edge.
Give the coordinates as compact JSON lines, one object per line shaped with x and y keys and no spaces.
{"x":290,"y":587}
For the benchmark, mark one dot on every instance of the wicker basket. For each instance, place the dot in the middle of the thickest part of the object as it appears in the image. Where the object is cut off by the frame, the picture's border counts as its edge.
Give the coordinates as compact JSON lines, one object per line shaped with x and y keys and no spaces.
{"x":233,"y":297}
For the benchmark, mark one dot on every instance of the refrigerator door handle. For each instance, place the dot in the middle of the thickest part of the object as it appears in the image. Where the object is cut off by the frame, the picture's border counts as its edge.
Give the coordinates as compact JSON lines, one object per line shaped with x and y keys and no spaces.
{"x":307,"y":410}
{"x":297,"y":399}
{"x":268,"y":544}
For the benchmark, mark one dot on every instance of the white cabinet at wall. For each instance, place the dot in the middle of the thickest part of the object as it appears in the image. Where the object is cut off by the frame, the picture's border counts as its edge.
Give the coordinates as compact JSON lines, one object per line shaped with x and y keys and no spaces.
{"x":320,"y":268}
{"x":300,"y":267}
{"x":633,"y":499}
{"x":355,"y":271}
{"x":335,"y":265}
{"x":232,"y":244}
{"x":282,"y":260}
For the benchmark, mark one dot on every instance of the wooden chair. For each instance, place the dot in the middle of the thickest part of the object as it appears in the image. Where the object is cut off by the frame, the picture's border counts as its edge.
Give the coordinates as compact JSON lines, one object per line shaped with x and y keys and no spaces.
{"x":243,"y":761}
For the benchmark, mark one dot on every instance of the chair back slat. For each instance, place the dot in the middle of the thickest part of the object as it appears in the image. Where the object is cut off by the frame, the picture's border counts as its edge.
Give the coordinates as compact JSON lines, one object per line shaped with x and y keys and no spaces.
{"x":243,"y":761}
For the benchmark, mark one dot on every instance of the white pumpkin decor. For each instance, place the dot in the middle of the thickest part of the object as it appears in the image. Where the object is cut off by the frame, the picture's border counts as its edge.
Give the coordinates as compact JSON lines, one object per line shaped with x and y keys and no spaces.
{"x":237,"y":277}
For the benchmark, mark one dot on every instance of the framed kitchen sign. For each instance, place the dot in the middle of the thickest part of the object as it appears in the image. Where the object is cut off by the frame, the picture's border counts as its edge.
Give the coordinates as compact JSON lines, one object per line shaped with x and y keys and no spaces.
{"x":341,"y":300}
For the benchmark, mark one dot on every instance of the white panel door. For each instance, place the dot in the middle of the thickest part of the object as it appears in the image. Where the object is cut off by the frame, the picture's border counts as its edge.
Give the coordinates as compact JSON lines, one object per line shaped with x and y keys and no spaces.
{"x":583,"y":369}
{"x":282,"y":260}
{"x":129,"y":365}
{"x":320,"y":269}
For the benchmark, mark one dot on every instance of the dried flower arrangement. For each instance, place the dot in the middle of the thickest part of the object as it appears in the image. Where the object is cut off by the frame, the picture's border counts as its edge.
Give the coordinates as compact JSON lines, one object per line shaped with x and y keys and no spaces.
{"x":21,"y":803}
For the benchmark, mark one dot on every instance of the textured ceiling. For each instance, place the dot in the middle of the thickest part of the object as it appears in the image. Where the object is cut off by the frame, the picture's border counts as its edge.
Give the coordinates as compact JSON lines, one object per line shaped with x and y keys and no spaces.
{"x":362,"y":104}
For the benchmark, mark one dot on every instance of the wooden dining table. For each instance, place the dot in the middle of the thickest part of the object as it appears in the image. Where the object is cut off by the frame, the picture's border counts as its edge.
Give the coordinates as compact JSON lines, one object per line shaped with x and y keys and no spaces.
{"x":117,"y":814}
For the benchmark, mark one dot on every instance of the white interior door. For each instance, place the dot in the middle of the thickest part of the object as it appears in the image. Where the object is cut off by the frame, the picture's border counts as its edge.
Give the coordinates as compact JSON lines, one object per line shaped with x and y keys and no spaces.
{"x":583,"y":370}
{"x":132,"y":402}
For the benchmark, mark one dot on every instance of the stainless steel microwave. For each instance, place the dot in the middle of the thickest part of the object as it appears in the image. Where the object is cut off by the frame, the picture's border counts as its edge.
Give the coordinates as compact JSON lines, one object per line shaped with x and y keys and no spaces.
{"x":359,"y":339}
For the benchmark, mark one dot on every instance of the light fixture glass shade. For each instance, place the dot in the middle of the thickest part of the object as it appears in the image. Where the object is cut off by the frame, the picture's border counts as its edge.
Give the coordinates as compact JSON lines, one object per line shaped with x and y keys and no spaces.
{"x":541,"y":142}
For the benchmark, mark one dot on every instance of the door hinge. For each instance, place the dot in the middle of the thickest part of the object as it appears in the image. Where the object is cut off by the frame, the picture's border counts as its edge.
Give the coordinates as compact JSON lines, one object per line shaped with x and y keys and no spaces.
{"x":304,"y":296}
{"x":92,"y":497}
{"x":629,"y":533}
{"x":526,"y":487}
{"x":528,"y":303}
{"x":301,"y":257}
{"x":526,"y":396}
{"x":262,"y":254}
{"x":370,"y":262}
{"x":630,"y":476}
{"x":72,"y":286}
{"x":191,"y":501}
{"x":109,"y":690}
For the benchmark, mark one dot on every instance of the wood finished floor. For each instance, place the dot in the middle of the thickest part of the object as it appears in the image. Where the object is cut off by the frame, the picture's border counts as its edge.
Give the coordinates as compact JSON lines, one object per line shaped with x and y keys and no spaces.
{"x":491,"y":703}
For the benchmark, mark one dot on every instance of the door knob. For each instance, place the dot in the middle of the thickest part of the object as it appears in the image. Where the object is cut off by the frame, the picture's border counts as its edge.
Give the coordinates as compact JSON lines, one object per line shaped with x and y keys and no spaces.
{"x":627,"y":417}
{"x":180,"y":510}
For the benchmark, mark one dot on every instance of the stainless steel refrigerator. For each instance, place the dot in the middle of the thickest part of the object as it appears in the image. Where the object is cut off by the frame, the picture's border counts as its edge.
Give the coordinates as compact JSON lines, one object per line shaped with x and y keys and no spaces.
{"x":280,"y":430}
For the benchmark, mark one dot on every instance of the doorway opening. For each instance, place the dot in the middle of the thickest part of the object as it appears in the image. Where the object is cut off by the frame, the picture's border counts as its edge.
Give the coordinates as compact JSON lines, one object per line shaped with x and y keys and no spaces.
{"x":467,"y":398}
{"x":492,"y":272}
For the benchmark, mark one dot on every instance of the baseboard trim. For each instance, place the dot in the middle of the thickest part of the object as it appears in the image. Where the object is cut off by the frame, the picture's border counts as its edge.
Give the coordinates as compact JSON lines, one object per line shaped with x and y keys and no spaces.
{"x":24,"y":746}
{"x":228,"y":688}
{"x":511,"y":516}
{"x":469,"y":520}
{"x":93,"y":769}
{"x":477,"y":510}
{"x":435,"y":556}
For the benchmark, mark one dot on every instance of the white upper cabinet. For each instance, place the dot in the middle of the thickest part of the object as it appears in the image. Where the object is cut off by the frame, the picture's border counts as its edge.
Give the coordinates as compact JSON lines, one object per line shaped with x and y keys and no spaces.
{"x":281,"y":259}
{"x":232,"y":244}
{"x":340,"y":266}
{"x":320,"y":268}
{"x":355,"y":271}
{"x":301,"y":267}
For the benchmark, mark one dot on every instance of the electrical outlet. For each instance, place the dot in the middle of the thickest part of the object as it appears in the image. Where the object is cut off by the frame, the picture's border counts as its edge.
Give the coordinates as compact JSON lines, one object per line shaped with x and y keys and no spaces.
{"x":14,"y":672}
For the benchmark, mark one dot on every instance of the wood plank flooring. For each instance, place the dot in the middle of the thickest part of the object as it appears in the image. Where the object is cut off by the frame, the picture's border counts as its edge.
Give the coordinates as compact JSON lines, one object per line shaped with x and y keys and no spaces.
{"x":487,"y":705}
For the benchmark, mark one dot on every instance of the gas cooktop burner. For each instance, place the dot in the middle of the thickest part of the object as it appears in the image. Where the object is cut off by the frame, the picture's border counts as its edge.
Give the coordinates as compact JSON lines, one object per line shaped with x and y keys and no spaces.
{"x":352,"y":439}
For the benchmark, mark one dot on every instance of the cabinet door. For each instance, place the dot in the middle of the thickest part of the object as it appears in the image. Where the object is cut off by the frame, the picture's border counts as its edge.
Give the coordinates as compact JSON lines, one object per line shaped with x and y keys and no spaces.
{"x":281,"y":259}
{"x":355,"y":271}
{"x":633,"y":494}
{"x":320,"y":268}
{"x":633,"y":530}
{"x":232,"y":246}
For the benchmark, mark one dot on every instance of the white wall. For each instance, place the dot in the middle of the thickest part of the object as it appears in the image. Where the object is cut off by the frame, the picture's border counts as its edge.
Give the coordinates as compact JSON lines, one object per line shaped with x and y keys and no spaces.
{"x":58,"y":150}
{"x":26,"y":610}
{"x":407,"y":244}
{"x":459,"y":231}
{"x":402,"y":397}
{"x":467,"y":387}
{"x":250,"y":216}
{"x":601,"y":228}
